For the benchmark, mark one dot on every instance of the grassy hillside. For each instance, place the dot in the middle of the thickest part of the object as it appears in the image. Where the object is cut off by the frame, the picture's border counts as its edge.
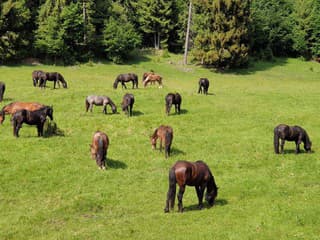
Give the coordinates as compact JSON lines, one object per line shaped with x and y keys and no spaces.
{"x":51,"y":189}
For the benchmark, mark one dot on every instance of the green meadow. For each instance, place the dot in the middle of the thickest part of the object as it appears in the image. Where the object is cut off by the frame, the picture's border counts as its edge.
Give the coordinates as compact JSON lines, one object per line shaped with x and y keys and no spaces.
{"x":50,"y":188}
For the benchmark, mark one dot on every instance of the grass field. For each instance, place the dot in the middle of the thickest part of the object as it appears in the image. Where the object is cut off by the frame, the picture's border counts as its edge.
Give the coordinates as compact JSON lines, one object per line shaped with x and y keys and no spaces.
{"x":51,"y":189}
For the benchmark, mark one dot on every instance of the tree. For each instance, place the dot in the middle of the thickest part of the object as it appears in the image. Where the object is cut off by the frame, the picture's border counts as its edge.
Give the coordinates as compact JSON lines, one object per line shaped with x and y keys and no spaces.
{"x":314,"y":40}
{"x":13,"y":35}
{"x":224,"y":44}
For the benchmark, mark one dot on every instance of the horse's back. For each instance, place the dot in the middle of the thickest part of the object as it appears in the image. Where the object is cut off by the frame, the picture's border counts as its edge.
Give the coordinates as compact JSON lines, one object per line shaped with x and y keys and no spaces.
{"x":100,"y":135}
{"x":16,"y":106}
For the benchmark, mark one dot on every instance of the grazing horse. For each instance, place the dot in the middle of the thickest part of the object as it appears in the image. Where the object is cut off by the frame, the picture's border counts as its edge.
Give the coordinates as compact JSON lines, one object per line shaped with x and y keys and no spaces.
{"x":127,"y":103}
{"x":122,"y":78}
{"x":99,"y":148}
{"x":165,"y":133}
{"x":52,"y":76}
{"x":152,"y":78}
{"x":2,"y":89}
{"x":291,"y":133}
{"x":100,"y":101}
{"x":16,"y":106}
{"x":203,"y":86}
{"x":37,"y":117}
{"x":195,"y":174}
{"x":173,"y":98}
{"x":36,"y":76}
{"x":146,"y":74}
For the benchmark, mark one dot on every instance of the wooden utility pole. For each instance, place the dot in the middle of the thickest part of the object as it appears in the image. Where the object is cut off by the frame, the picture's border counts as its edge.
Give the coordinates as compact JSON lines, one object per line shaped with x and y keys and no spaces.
{"x":186,"y":46}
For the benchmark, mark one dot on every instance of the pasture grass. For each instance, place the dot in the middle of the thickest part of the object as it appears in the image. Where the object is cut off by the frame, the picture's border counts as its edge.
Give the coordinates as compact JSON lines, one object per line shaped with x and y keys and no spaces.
{"x":51,"y":189}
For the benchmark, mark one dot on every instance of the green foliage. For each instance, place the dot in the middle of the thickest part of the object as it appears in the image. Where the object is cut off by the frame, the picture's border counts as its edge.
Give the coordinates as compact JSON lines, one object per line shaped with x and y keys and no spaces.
{"x":224,"y":43}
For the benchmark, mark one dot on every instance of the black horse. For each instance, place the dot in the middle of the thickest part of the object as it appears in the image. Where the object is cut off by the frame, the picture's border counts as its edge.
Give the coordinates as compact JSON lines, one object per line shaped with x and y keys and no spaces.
{"x":52,"y":76}
{"x":2,"y":89}
{"x":291,"y":133}
{"x":122,"y":78}
{"x":195,"y":174}
{"x":37,"y":117}
{"x":127,"y":103}
{"x":36,"y":76}
{"x":203,"y":86}
{"x":175,"y":99}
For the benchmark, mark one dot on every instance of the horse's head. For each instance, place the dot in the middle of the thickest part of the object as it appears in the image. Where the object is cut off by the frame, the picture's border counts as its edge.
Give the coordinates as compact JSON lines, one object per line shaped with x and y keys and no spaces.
{"x":114,"y":108}
{"x":153,"y":142}
{"x":49,"y":112}
{"x":115,"y":84}
{"x":211,"y":196}
{"x":307,"y":146}
{"x":64,"y":84}
{"x":2,"y":114}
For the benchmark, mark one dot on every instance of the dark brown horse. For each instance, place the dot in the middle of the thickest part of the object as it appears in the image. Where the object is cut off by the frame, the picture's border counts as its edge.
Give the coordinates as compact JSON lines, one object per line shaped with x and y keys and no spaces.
{"x":127,"y":103}
{"x":16,"y":106}
{"x":291,"y":133}
{"x":36,"y":76}
{"x":165,"y":134}
{"x":100,"y":101}
{"x":37,"y":117}
{"x":52,"y":76}
{"x":152,"y":78}
{"x":203,"y":86}
{"x":99,"y":148}
{"x":195,"y":174}
{"x":123,"y":78}
{"x":2,"y":89}
{"x":173,"y":99}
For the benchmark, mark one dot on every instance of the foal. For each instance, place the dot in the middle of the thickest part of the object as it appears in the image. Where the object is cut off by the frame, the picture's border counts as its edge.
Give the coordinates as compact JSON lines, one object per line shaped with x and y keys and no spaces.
{"x":99,"y":148}
{"x":175,"y":99}
{"x":165,"y":133}
{"x":291,"y":133}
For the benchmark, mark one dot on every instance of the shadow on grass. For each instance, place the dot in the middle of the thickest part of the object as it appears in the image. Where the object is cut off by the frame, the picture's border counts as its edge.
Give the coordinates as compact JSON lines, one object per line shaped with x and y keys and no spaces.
{"x":116,"y":164}
{"x":137,"y":113}
{"x":176,"y":151}
{"x":218,"y":202}
{"x":293,"y":151}
{"x":254,"y":66}
{"x":182,"y":111}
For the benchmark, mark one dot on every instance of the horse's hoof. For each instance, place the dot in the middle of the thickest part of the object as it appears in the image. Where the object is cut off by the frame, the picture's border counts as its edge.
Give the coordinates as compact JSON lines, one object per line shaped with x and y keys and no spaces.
{"x":166,"y":210}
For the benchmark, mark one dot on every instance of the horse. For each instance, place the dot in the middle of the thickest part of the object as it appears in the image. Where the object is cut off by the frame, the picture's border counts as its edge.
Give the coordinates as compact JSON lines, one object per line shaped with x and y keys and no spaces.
{"x":99,"y":148}
{"x":127,"y":103}
{"x":37,"y":117}
{"x":291,"y":133}
{"x":2,"y":89}
{"x":146,"y":74}
{"x":52,"y":76}
{"x":165,"y":133}
{"x":36,"y":76}
{"x":152,"y":78}
{"x":11,"y":108}
{"x":126,"y":78}
{"x":195,"y":174}
{"x":100,"y":101}
{"x":203,"y":86}
{"x":173,"y":98}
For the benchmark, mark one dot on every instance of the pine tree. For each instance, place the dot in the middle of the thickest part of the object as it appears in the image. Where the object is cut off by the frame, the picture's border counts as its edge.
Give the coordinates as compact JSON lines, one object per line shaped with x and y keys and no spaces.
{"x":225,"y":43}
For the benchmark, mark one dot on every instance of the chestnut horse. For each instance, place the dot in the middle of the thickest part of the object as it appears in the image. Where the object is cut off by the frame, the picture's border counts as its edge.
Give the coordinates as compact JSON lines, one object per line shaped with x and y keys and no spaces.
{"x":122,"y":78}
{"x":37,"y":117}
{"x":175,"y":99}
{"x":2,"y":89}
{"x":152,"y":78}
{"x":195,"y":174}
{"x":291,"y":133}
{"x":16,"y":106}
{"x":100,"y":101}
{"x":165,"y":133}
{"x":127,"y":103}
{"x":99,"y":148}
{"x":203,"y":86}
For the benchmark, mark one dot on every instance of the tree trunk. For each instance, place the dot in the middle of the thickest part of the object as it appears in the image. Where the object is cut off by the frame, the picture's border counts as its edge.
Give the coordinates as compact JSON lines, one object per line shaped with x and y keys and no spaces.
{"x":186,"y":46}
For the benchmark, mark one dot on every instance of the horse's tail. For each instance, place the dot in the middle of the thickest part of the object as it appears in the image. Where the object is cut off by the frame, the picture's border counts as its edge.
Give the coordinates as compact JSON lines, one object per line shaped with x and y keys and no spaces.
{"x":87,"y":104}
{"x":172,"y":190}
{"x":168,"y":141}
{"x":276,"y":140}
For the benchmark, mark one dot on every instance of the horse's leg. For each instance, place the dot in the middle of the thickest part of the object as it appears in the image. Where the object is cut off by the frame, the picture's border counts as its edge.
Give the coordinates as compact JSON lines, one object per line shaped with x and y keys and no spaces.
{"x":282,"y":145}
{"x":131,"y":109}
{"x":298,"y":145}
{"x":200,"y":191}
{"x":104,"y":109}
{"x":180,"y":196}
{"x":200,"y":90}
{"x":160,"y":144}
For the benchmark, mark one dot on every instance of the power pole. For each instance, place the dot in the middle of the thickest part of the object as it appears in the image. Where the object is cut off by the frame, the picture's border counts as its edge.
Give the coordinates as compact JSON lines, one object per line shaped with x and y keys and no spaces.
{"x":186,"y":46}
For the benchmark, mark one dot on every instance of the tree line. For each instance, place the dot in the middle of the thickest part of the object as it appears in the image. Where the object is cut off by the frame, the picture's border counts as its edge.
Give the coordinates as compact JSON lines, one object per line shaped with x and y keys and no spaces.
{"x":223,"y":33}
